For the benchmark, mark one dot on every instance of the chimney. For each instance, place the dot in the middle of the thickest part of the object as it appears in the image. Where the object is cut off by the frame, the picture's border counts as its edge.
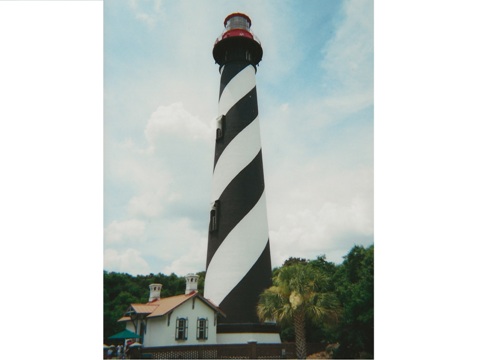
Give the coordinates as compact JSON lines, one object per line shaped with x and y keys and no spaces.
{"x":154,"y":291}
{"x":191,"y":283}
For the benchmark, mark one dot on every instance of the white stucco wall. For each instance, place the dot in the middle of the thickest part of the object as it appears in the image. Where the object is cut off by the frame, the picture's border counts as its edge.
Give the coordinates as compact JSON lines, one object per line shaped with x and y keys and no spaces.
{"x":130,"y":326}
{"x":153,"y":335}
{"x":159,"y":333}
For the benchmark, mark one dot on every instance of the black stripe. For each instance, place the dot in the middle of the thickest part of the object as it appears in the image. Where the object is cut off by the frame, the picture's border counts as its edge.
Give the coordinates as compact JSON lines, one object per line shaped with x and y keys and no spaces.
{"x":236,"y":201}
{"x":229,"y":72}
{"x":241,"y":303}
{"x":237,"y":118}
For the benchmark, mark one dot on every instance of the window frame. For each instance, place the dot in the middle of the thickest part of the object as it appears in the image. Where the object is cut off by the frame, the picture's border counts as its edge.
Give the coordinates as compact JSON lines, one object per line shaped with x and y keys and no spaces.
{"x":202,"y":328}
{"x":214,"y":213}
{"x":181,"y":329}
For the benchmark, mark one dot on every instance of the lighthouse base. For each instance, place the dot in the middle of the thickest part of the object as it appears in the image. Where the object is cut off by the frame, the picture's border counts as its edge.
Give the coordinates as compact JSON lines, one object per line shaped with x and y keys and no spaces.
{"x":245,"y":333}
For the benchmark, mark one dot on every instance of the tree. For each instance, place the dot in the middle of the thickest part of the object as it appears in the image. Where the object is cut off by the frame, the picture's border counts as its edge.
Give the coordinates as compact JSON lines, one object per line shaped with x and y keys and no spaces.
{"x":294,"y":260}
{"x":354,"y":288}
{"x":201,"y":281}
{"x":298,"y":293}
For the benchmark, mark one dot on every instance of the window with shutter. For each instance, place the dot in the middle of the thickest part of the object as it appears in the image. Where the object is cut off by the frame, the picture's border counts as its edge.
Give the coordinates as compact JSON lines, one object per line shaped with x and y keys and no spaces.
{"x":202,"y":329}
{"x":181,"y":331}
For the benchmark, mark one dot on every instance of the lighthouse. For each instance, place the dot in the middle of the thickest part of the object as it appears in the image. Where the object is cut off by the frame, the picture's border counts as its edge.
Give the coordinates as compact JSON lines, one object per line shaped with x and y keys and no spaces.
{"x":238,"y":254}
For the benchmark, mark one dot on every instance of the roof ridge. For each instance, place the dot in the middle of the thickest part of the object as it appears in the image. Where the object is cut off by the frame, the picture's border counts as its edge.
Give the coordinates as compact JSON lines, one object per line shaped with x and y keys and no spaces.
{"x":180,"y":299}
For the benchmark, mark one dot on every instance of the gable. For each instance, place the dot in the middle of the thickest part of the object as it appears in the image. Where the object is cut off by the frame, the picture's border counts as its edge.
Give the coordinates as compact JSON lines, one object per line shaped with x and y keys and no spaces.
{"x":167,"y":305}
{"x":164,"y":306}
{"x":195,"y":306}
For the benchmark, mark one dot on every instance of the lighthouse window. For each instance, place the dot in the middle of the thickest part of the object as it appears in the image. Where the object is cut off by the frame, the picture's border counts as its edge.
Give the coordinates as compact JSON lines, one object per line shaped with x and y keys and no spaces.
{"x":214,"y":216}
{"x":202,"y":329}
{"x":181,"y":331}
{"x":220,"y":126}
{"x":237,"y":22}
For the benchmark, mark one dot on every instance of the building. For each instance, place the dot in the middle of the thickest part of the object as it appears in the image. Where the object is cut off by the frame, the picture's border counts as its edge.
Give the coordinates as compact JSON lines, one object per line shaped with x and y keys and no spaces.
{"x":187,"y":319}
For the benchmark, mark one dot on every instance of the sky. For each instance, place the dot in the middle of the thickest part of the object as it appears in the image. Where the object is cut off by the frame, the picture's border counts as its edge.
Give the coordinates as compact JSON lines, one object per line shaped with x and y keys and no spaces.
{"x":315,"y":94}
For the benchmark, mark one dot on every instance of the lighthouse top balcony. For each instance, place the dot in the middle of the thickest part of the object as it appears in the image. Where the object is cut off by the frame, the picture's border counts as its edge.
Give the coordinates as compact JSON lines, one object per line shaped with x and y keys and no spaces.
{"x":237,"y":41}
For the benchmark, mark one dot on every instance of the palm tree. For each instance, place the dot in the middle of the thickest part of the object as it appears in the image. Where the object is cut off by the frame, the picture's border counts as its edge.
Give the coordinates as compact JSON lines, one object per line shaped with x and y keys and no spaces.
{"x":298,"y":292}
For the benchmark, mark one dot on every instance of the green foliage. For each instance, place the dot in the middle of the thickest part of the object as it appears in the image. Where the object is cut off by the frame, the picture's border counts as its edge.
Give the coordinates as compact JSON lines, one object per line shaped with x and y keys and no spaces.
{"x":352,"y":283}
{"x":323,"y":265}
{"x":354,"y":288}
{"x":315,"y":332}
{"x":201,"y":281}
{"x":294,"y":260}
{"x":299,"y":295}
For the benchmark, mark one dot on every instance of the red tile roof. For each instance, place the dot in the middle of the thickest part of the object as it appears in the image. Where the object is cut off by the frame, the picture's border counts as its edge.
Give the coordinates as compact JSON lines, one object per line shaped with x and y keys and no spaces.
{"x":163,"y":306}
{"x":144,"y":308}
{"x":168,"y":304}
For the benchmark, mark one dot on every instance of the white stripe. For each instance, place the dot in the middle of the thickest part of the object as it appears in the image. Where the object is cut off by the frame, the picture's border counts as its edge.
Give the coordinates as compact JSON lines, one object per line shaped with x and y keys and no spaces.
{"x":238,"y":253}
{"x":238,"y":154}
{"x":236,"y":89}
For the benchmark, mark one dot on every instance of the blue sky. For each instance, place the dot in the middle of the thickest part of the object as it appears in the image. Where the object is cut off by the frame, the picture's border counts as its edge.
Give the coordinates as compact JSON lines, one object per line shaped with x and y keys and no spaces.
{"x":315,"y":91}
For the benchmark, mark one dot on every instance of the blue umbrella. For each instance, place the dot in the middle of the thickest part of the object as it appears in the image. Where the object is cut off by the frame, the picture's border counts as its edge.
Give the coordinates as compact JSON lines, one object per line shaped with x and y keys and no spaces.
{"x":125,"y":334}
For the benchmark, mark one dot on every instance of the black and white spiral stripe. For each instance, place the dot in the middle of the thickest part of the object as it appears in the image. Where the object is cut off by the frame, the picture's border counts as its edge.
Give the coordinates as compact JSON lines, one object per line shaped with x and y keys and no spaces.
{"x":238,"y":257}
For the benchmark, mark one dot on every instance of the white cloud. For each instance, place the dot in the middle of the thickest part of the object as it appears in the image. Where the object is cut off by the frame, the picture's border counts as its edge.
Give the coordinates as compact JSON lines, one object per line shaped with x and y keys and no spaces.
{"x":147,"y":204}
{"x":278,"y":39}
{"x":129,"y":163}
{"x":321,"y":209}
{"x":175,"y":120}
{"x":319,"y":163}
{"x":193,"y":259}
{"x":166,"y":181}
{"x":308,"y":231}
{"x":180,"y":237}
{"x":124,"y":231}
{"x":174,"y":245}
{"x":348,"y":57}
{"x":130,"y":261}
{"x":147,"y":11}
